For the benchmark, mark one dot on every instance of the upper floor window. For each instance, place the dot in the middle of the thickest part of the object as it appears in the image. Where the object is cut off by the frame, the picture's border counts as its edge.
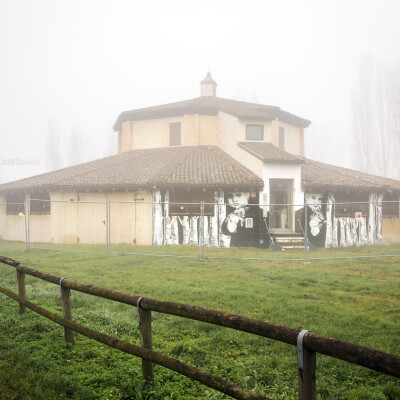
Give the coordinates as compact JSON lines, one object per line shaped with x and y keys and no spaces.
{"x":40,"y":203}
{"x":174,"y":133}
{"x":15,"y":203}
{"x":281,"y":138}
{"x":254,"y":132}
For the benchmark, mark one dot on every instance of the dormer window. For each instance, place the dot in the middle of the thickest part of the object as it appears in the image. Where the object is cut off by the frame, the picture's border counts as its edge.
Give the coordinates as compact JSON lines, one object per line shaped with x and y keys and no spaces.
{"x":174,"y":133}
{"x":254,"y":132}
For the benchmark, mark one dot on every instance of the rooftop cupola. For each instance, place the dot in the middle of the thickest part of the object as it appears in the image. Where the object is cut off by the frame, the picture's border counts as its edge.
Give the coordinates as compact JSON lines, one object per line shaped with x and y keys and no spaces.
{"x":208,"y":86}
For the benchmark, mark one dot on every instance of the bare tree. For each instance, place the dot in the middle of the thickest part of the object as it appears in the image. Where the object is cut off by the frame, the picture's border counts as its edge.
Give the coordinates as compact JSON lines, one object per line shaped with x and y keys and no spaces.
{"x":376,"y":118}
{"x":53,"y":147}
{"x":64,"y":151}
{"x":76,"y":146}
{"x":110,"y":146}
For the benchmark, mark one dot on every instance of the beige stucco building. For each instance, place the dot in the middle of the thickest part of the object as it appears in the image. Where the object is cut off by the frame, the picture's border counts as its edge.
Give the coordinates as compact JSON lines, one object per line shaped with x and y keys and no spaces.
{"x":244,"y":161}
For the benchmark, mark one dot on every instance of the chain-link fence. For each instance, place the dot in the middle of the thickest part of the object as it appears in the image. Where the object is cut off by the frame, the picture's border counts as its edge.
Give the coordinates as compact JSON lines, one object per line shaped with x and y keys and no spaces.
{"x":268,"y":231}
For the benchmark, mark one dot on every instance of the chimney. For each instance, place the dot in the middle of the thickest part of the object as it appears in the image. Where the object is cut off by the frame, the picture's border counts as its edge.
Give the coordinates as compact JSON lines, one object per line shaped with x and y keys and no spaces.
{"x":208,"y":86}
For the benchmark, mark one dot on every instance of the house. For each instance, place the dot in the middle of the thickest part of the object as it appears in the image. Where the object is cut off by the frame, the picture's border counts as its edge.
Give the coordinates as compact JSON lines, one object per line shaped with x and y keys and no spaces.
{"x":227,"y":172}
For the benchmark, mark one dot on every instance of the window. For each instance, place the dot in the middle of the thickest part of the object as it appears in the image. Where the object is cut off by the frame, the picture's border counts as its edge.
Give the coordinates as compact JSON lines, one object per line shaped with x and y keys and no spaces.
{"x":390,"y":206}
{"x":281,"y":138}
{"x":174,"y":133}
{"x":15,"y":203}
{"x":254,"y":132}
{"x":40,"y":203}
{"x":351,"y":203}
{"x":343,"y":205}
{"x":184,"y":202}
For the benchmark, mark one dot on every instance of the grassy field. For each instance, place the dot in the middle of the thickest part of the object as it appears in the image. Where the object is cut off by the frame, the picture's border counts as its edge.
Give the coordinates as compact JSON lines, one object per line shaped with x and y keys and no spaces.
{"x":356,"y":300}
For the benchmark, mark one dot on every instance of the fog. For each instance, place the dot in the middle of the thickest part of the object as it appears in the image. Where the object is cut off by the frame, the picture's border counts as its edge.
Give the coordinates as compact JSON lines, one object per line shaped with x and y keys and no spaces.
{"x":68,"y":68}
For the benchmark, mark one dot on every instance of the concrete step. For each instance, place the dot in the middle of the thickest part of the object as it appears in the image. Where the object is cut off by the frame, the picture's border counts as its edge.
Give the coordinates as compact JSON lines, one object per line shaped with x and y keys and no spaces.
{"x":287,"y":234}
{"x":284,"y":248}
{"x":289,"y":239}
{"x":293,"y":241}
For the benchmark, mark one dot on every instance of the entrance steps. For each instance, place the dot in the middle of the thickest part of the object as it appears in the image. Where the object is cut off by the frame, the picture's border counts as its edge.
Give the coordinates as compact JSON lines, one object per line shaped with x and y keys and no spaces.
{"x":289,"y":241}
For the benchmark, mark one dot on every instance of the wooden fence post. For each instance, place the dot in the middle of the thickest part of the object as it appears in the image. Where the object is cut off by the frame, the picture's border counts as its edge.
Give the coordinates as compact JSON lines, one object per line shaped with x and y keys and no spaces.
{"x":146,"y":341}
{"x":21,"y":289}
{"x":306,"y":367}
{"x":67,"y":311}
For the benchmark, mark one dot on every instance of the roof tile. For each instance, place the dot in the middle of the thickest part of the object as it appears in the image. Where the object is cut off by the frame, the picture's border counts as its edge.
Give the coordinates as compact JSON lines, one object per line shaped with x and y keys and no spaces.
{"x":173,"y":166}
{"x":315,"y":174}
{"x":211,"y":105}
{"x":269,"y":153}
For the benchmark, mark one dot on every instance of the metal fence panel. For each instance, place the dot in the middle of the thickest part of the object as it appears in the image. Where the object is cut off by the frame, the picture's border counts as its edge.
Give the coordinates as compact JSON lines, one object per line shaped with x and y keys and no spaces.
{"x":326,"y":229}
{"x":13,"y":227}
{"x":154,"y":228}
{"x":69,"y":225}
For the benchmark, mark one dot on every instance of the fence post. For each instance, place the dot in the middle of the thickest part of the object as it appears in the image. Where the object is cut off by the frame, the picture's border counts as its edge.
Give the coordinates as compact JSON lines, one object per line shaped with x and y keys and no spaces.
{"x":21,"y":289}
{"x":201,"y":229}
{"x":26,"y":212}
{"x":146,"y":340}
{"x":305,"y":230}
{"x":29,"y":225}
{"x":107,"y":226}
{"x":67,"y":311}
{"x":306,"y":368}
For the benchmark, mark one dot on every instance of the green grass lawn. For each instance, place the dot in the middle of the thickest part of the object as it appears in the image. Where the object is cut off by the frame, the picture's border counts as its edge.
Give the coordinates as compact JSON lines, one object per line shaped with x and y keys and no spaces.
{"x":357,"y":300}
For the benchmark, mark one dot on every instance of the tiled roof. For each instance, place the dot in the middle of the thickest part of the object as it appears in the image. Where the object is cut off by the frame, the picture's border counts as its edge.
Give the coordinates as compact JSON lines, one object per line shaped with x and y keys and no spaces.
{"x":195,"y":166}
{"x":210,"y":105}
{"x":201,"y":166}
{"x":317,"y":175}
{"x":269,"y":152}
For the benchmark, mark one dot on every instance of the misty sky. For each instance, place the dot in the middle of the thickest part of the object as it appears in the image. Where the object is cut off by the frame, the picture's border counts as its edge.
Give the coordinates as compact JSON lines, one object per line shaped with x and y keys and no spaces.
{"x":75,"y":65}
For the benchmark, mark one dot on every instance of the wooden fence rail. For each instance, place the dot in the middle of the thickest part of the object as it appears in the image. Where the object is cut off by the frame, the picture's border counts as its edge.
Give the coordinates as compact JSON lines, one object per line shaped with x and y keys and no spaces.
{"x":308,"y":343}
